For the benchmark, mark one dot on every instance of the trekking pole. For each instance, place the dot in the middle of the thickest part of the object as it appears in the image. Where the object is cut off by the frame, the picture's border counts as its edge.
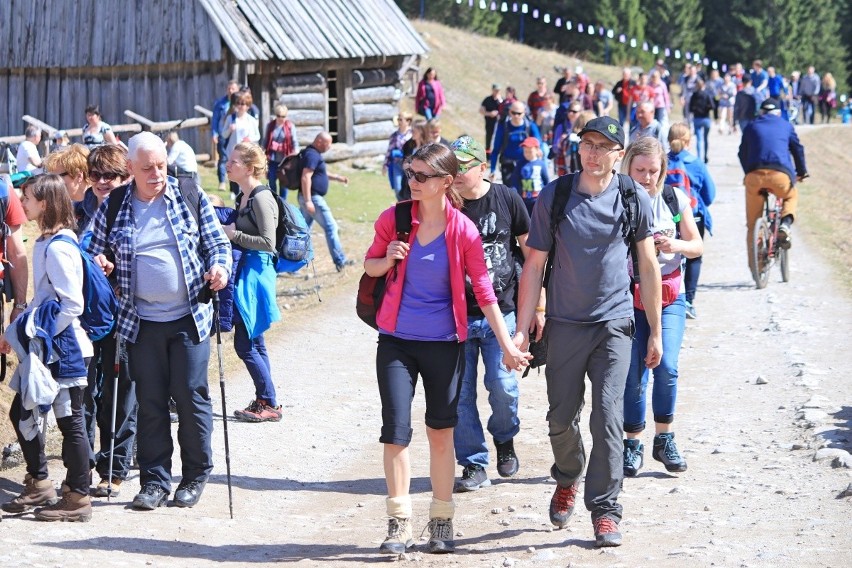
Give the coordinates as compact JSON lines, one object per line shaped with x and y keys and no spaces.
{"x":218,"y":327}
{"x":116,"y":367}
{"x":316,"y":281}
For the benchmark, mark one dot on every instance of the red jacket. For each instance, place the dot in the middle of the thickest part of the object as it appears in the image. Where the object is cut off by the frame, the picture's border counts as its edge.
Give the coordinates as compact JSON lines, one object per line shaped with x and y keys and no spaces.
{"x":464,"y":248}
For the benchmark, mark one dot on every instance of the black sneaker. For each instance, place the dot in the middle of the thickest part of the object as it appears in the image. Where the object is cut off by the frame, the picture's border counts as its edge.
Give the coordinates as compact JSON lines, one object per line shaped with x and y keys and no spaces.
{"x":785,"y":239}
{"x":150,"y":497}
{"x":562,"y":505}
{"x":606,"y":532}
{"x":344,"y":264}
{"x":633,"y":457}
{"x":473,"y":477}
{"x":507,"y":461}
{"x":189,"y":492}
{"x":665,"y":450}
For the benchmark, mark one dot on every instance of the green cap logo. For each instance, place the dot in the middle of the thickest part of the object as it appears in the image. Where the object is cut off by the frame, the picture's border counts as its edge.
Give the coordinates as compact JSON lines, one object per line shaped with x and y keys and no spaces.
{"x":612,"y":128}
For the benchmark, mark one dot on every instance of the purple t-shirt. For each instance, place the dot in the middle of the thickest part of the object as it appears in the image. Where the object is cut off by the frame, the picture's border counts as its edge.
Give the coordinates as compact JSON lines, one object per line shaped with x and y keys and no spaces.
{"x":426,"y":310}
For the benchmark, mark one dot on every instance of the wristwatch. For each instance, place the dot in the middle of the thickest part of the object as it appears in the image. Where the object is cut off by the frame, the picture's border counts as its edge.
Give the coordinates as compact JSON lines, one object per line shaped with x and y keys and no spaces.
{"x":20,"y":305}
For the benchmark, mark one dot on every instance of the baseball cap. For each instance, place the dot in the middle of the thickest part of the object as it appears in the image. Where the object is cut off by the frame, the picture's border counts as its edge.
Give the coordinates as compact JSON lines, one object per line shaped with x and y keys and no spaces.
{"x":467,"y":150}
{"x":770,"y":105}
{"x":495,"y":86}
{"x":607,"y":127}
{"x":59,"y":135}
{"x":530,"y":142}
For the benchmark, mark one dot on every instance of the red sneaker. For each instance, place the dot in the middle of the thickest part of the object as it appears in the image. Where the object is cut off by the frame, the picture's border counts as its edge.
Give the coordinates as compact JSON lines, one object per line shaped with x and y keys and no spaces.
{"x":606,"y":532}
{"x":562,"y":505}
{"x":259,"y":411}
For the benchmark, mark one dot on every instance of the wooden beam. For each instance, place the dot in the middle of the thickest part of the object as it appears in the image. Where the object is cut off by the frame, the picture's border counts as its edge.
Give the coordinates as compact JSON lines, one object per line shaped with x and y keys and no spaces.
{"x":167,"y":125}
{"x":206,"y":112}
{"x":43,"y":126}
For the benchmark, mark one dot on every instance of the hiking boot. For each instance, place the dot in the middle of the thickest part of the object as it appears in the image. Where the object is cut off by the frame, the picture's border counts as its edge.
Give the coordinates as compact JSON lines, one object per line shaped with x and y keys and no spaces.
{"x":72,"y":507}
{"x":189,"y":492}
{"x":507,"y":461}
{"x":606,"y":532}
{"x":259,"y":411}
{"x":665,"y":450}
{"x":344,"y":264}
{"x":223,"y":186}
{"x":562,"y":505}
{"x":105,"y":490}
{"x":440,"y":536}
{"x":36,"y":492}
{"x":633,"y":457}
{"x":150,"y":497}
{"x":690,"y":311}
{"x":399,"y":536}
{"x":785,"y":239}
{"x":473,"y":477}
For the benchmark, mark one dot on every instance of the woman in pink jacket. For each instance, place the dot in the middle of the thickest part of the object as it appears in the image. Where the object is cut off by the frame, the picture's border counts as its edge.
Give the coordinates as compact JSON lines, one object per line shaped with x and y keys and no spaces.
{"x":429,"y":99}
{"x":422,"y":328}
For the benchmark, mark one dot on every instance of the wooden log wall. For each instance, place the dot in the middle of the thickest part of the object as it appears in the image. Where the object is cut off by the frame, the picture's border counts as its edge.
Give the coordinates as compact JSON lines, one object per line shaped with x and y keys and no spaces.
{"x":307,"y":103}
{"x":375,"y":102}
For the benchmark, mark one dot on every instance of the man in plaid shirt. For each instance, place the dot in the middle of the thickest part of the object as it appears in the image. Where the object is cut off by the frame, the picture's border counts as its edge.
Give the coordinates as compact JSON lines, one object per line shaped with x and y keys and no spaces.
{"x":163,"y":260}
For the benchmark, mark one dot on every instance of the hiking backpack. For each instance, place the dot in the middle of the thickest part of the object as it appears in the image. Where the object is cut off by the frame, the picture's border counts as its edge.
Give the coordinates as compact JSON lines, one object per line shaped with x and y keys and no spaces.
{"x":293,"y":246}
{"x":290,"y":171}
{"x":100,"y":305}
{"x":676,"y":176}
{"x":507,"y":124}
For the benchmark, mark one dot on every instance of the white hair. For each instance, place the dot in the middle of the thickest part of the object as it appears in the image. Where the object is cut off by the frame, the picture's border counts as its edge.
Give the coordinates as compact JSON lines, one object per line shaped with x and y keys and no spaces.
{"x":147,"y":142}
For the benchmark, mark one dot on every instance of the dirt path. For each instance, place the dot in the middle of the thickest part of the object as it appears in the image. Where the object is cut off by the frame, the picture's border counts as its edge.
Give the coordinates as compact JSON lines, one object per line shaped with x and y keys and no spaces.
{"x":310,"y":490}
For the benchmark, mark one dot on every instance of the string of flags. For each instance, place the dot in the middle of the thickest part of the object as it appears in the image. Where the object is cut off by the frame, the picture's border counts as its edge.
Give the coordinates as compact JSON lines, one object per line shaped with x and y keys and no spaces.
{"x":592,"y":30}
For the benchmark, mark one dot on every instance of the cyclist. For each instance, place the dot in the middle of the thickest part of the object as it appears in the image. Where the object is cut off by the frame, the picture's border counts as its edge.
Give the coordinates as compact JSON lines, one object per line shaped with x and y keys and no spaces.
{"x":765,"y":150}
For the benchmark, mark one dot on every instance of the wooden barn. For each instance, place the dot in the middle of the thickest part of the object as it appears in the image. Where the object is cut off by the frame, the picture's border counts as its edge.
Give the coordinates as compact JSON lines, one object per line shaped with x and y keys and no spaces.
{"x":337,"y":64}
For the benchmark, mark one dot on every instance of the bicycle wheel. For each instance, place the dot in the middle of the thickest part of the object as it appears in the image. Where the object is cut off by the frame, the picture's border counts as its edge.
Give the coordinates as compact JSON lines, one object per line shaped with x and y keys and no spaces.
{"x":760,"y":253}
{"x":784,"y":261}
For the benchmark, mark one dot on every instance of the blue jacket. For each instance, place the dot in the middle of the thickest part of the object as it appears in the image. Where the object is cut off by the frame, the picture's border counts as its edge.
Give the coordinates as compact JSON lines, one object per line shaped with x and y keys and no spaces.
{"x":226,"y":216}
{"x":512,"y":149}
{"x":702,"y":185}
{"x":767,"y":143}
{"x":64,"y":346}
{"x":220,"y":108}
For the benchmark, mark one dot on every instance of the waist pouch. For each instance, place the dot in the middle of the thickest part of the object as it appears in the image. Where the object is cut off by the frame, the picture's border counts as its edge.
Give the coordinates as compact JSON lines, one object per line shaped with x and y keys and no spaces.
{"x":671,"y":290}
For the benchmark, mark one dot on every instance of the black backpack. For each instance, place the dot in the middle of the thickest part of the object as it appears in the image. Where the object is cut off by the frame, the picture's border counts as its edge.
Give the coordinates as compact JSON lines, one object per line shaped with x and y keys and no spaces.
{"x":290,"y":171}
{"x":630,"y":218}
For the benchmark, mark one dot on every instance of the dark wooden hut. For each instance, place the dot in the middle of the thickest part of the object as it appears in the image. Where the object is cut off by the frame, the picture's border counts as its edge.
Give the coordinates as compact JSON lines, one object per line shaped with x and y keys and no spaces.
{"x":337,"y":64}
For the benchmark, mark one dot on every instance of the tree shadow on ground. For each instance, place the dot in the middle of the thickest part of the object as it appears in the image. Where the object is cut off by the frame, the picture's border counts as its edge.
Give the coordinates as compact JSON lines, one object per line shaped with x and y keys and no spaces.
{"x":741,"y":285}
{"x":237,"y":553}
{"x":367,"y":486}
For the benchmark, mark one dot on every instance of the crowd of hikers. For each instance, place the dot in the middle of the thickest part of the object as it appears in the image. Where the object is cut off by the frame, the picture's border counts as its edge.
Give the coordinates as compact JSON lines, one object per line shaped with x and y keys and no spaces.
{"x":133,"y":266}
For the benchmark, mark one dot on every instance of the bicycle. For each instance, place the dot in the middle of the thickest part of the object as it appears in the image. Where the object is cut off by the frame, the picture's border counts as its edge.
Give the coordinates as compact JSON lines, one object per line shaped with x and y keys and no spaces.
{"x":765,"y":247}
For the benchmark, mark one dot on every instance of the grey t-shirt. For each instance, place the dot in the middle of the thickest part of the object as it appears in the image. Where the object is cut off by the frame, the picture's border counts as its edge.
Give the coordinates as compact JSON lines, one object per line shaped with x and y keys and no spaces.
{"x":590,"y":281}
{"x":160,"y":292}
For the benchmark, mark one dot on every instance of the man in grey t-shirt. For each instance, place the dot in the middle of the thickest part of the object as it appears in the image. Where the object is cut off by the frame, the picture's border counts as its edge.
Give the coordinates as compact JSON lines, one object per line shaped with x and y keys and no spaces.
{"x":590,"y":322}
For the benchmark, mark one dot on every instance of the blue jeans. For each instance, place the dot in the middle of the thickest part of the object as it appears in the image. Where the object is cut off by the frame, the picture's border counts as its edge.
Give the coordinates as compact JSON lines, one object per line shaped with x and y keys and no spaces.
{"x":328,"y":224}
{"x":395,"y":177}
{"x":623,"y":113}
{"x":221,"y":145}
{"x":665,"y":375}
{"x":272,"y":176}
{"x":169,"y":360}
{"x":702,"y":132}
{"x":502,"y":386}
{"x":253,"y":354}
{"x":427,"y":112}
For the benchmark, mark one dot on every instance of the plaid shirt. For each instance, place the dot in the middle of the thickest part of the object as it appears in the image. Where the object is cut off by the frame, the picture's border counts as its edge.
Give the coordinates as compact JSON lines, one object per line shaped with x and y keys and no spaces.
{"x":214,"y":245}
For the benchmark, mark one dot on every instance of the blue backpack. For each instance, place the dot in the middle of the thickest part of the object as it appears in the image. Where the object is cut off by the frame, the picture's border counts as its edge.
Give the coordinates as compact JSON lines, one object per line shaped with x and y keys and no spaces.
{"x":100,"y":305}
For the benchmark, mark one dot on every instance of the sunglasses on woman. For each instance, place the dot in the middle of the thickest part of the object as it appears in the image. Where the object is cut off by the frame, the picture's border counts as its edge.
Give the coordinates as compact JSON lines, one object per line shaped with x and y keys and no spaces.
{"x":420,"y":176}
{"x":95,"y":177}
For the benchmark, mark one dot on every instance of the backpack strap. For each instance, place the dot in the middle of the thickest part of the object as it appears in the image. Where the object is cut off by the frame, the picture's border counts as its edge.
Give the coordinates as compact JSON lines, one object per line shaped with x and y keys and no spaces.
{"x":402,"y":223}
{"x":670,"y":197}
{"x":561,"y":195}
{"x":630,"y":219}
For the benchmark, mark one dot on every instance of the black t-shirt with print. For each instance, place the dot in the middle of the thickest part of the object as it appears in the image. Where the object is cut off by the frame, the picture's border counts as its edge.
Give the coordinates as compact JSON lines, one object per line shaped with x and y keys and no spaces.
{"x":500,"y":216}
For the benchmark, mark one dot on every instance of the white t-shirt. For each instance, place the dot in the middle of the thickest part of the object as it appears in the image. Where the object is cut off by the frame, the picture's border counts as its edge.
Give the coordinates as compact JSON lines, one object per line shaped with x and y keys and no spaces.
{"x":182,"y":156}
{"x":26,"y":151}
{"x":663,"y":222}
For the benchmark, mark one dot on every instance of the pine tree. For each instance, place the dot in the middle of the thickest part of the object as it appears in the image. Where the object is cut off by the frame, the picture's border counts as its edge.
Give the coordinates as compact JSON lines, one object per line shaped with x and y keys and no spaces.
{"x":676,"y":24}
{"x":624,"y":17}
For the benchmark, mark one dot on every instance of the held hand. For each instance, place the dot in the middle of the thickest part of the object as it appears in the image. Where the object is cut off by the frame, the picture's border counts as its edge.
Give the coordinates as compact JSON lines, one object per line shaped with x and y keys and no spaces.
{"x":655,"y":351}
{"x":104,"y":264}
{"x":217,"y":277}
{"x":4,"y":345}
{"x":397,"y":250}
{"x":516,"y":359}
{"x":521,"y":341}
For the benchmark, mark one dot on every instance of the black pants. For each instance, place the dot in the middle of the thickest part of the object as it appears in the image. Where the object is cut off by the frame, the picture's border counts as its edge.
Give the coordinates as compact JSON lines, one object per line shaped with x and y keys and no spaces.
{"x":693,"y":267}
{"x":75,"y":445}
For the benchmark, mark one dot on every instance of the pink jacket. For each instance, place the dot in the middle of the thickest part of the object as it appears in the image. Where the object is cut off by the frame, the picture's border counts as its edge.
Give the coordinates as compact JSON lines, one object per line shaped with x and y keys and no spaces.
{"x":464,"y":248}
{"x":420,"y":98}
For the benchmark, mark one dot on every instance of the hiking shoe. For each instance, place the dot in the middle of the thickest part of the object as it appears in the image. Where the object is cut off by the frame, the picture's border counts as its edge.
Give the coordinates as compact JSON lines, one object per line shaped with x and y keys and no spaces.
{"x":72,"y":507}
{"x":344,"y":264}
{"x":150,"y":497}
{"x":399,"y":536}
{"x":507,"y":461}
{"x":189,"y":492}
{"x":105,"y":490}
{"x":665,"y":450}
{"x":440,"y":536}
{"x":633,"y":457}
{"x":36,"y":492}
{"x":473,"y":477}
{"x":606,"y":532}
{"x":562,"y":505}
{"x":785,"y":239}
{"x":259,"y":411}
{"x":690,"y":311}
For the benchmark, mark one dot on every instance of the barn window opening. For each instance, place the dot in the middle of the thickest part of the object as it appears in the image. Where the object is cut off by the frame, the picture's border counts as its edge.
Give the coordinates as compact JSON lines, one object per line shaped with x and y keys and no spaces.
{"x":333,"y":107}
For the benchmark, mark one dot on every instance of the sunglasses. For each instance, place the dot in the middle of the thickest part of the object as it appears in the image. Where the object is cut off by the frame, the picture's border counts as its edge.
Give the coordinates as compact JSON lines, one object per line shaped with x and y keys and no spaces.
{"x":516,"y":113}
{"x":420,"y":176}
{"x":573,"y":111}
{"x":280,"y":116}
{"x":95,"y":177}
